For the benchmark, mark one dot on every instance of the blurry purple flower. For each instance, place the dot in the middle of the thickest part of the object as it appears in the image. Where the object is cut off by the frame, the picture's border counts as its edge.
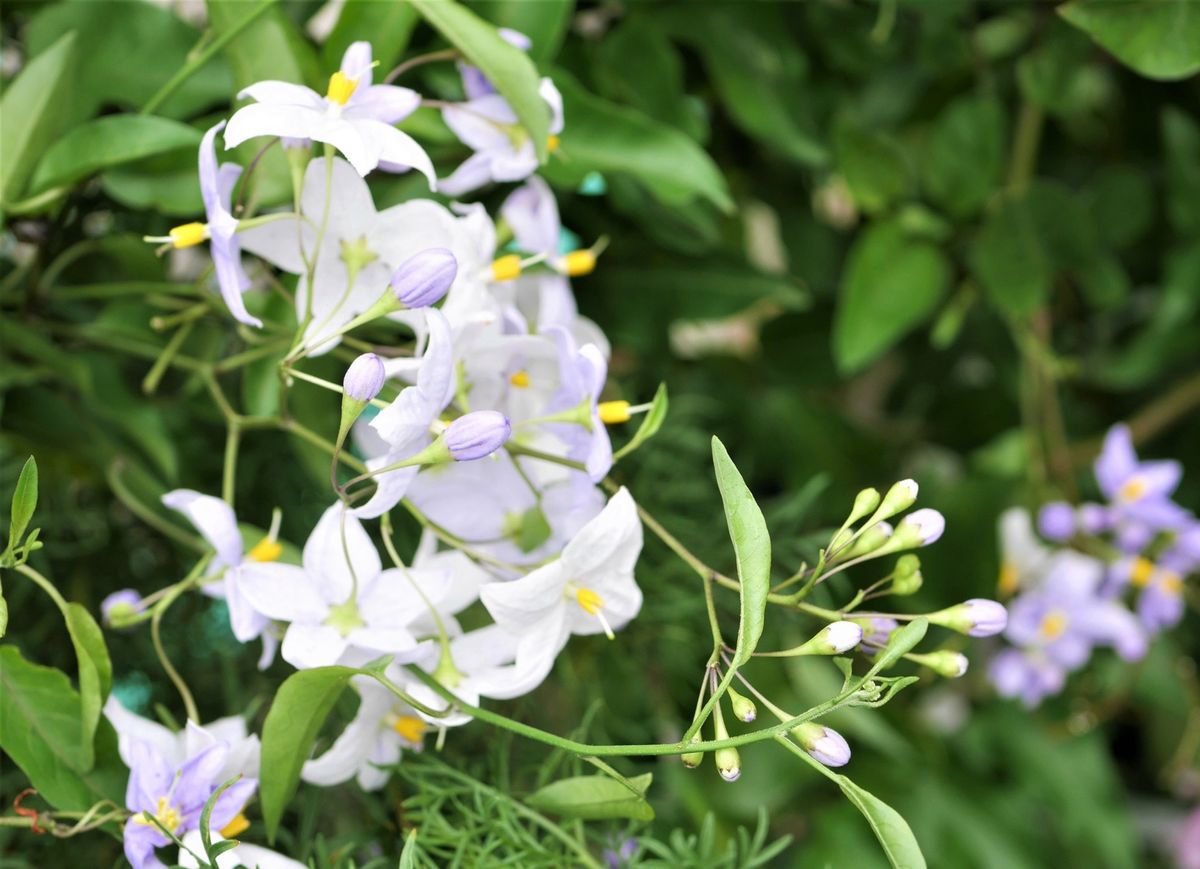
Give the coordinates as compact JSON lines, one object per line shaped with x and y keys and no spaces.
{"x":125,"y":602}
{"x":1056,"y":521}
{"x":1026,"y":674}
{"x":1187,"y":844}
{"x":620,"y":853}
{"x":1140,"y":490}
{"x":1094,"y":518}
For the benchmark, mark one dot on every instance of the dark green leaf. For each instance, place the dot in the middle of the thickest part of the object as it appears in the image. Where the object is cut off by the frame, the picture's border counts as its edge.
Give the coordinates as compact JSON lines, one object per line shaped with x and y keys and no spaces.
{"x":544,"y":22}
{"x":873,"y":167}
{"x":506,"y":67}
{"x":1181,"y":141}
{"x":651,"y":423}
{"x":961,"y":165}
{"x":893,"y":832}
{"x":387,"y":26}
{"x":890,"y":285}
{"x":594,"y":797}
{"x":752,"y":548}
{"x":36,"y":98}
{"x":1008,"y":259}
{"x":110,"y":141}
{"x":24,"y":502}
{"x":1121,"y":201}
{"x":297,"y":713}
{"x":1158,"y":38}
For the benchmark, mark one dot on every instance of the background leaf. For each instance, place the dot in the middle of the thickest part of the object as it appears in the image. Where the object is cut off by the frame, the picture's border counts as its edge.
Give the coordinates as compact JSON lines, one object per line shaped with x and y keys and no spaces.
{"x":24,"y":502}
{"x":1158,"y":38}
{"x":594,"y":798}
{"x":36,"y":97}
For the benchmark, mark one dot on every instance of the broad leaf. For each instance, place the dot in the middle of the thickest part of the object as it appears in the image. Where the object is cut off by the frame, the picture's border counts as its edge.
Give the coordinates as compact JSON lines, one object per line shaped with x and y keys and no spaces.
{"x":962,"y":161}
{"x":33,"y":105}
{"x":24,"y":502}
{"x":297,"y":713}
{"x":1008,"y":259}
{"x":891,"y":284}
{"x":873,"y":166}
{"x":110,"y":141}
{"x":595,"y":797}
{"x":651,"y":422}
{"x":1157,"y":38}
{"x":892,"y":831}
{"x":387,"y":26}
{"x":751,"y":546}
{"x":39,"y":730}
{"x":506,"y":67}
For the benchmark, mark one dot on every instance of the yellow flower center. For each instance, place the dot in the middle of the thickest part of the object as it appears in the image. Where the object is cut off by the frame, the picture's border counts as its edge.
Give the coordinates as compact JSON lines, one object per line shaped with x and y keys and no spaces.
{"x":341,"y":88}
{"x":189,"y":234}
{"x":238,"y":825}
{"x":589,"y":601}
{"x":166,"y":814}
{"x":613,"y":412}
{"x":506,"y":268}
{"x":552,"y":143}
{"x":1053,"y":625}
{"x":1140,"y":572}
{"x":1172,"y":584}
{"x":1133,"y":489}
{"x":577,"y":262}
{"x":410,"y":727}
{"x":266,"y":550}
{"x":1009,"y":580}
{"x":520,"y":379}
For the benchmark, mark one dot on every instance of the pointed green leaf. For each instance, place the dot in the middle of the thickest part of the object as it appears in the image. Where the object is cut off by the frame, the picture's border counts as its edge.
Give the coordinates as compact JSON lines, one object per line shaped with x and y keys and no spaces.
{"x":1157,"y":38}
{"x":594,"y":797}
{"x":506,"y":66}
{"x":24,"y":502}
{"x":751,"y":546}
{"x":892,"y":831}
{"x":651,"y":423}
{"x":33,"y":104}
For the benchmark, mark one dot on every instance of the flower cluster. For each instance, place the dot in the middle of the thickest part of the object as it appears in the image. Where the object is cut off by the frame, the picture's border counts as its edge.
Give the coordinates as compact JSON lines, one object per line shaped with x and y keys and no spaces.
{"x":1071,"y":597}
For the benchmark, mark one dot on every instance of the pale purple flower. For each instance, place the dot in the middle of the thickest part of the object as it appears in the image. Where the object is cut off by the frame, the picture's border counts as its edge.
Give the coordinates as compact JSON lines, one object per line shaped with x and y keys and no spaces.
{"x":1187,"y":843}
{"x":123,"y":602}
{"x":176,"y":795}
{"x":424,"y":278}
{"x":354,"y":116}
{"x":582,"y":373}
{"x":1093,"y":518}
{"x":823,"y":744}
{"x":476,"y":435}
{"x":364,"y":378}
{"x":877,"y":630}
{"x":216,"y":189}
{"x":1026,"y":674}
{"x":475,"y":83}
{"x":620,"y":853}
{"x":987,"y":617}
{"x":925,"y":524}
{"x":1138,"y":490}
{"x":1057,"y":521}
{"x":544,"y":297}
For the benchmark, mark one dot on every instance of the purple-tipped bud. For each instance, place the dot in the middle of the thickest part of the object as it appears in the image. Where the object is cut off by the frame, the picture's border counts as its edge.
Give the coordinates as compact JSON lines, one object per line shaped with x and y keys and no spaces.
{"x":985,"y":617}
{"x":840,"y":636}
{"x":425,"y":278}
{"x":1056,"y":521}
{"x":823,"y":744}
{"x":928,"y":525}
{"x":120,"y":606}
{"x":476,"y":435}
{"x":364,"y":378}
{"x":877,"y":630}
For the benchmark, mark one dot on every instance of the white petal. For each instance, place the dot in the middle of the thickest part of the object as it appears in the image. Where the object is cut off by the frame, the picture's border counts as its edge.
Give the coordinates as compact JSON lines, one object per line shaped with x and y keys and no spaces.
{"x":283,"y":591}
{"x":306,"y":646}
{"x":523,"y":602}
{"x":284,"y":94}
{"x":537,"y":650}
{"x":396,"y":146}
{"x":472,"y":173}
{"x":351,"y":749}
{"x":278,"y":242}
{"x":609,"y":544}
{"x":215,"y":521}
{"x":266,"y":119}
{"x":338,"y":553}
{"x":132,"y":728}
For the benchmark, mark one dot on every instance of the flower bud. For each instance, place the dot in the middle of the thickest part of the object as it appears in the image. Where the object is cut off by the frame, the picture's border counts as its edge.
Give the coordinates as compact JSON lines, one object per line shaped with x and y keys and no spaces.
{"x":1094,"y":518}
{"x":364,"y":378}
{"x":823,"y":744}
{"x":743,"y":707}
{"x":865,"y":502}
{"x":424,"y":278}
{"x":977,"y":617}
{"x":918,"y":528}
{"x":907,"y":578}
{"x":833,"y":639}
{"x":899,"y":498}
{"x":877,"y":630}
{"x":869,"y":541}
{"x":943,"y":662}
{"x":693,"y":758}
{"x":119,"y":607}
{"x":476,"y":435}
{"x":729,"y":763}
{"x":1056,"y":521}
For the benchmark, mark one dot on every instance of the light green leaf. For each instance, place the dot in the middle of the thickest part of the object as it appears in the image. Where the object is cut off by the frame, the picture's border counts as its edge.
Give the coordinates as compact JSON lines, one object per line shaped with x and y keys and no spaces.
{"x":752,"y":548}
{"x":899,"y":644}
{"x":296,"y":715}
{"x":873,"y":166}
{"x":387,"y":26}
{"x":506,"y":67}
{"x":1008,"y":259}
{"x":24,"y":502}
{"x":601,"y":136}
{"x":961,"y":164}
{"x":893,"y":832}
{"x":890,"y":285}
{"x":110,"y":141}
{"x":408,"y":854}
{"x":1158,"y":38}
{"x":594,"y":797}
{"x":39,"y":730}
{"x":35,"y":100}
{"x":651,"y":423}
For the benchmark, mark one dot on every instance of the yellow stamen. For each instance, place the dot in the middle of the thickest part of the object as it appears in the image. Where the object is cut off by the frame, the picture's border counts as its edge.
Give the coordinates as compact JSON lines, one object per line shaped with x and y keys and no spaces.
{"x":341,"y":88}
{"x":1172,"y":584}
{"x":589,"y":600}
{"x":166,"y":814}
{"x":266,"y":550}
{"x":520,"y":380}
{"x":1009,"y":580}
{"x":238,"y":825}
{"x":410,"y":727}
{"x":1053,"y":625}
{"x":1133,"y":489}
{"x":577,"y":263}
{"x":506,"y":268}
{"x":189,"y":234}
{"x":1140,"y":572}
{"x":613,"y":412}
{"x":552,"y":143}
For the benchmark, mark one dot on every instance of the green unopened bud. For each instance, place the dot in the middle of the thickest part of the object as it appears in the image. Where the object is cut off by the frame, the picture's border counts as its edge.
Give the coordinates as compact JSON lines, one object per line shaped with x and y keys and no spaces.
{"x":743,"y":707}
{"x":693,"y":758}
{"x":864,"y":503}
{"x":943,"y":662}
{"x":869,"y":541}
{"x":907,"y":578}
{"x":729,"y":763}
{"x":899,"y":498}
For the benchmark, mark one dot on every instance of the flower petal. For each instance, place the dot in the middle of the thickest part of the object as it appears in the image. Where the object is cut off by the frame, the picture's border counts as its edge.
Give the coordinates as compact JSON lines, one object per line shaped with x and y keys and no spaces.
{"x":307,"y":646}
{"x":283,"y":591}
{"x":340,"y":554}
{"x":215,"y":521}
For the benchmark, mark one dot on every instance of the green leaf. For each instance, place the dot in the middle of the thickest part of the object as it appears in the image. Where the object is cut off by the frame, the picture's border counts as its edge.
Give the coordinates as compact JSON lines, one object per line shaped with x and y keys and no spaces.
{"x":387,"y":26}
{"x":110,"y":141}
{"x":601,"y":136}
{"x":892,"y":831}
{"x":962,"y":163}
{"x":24,"y":502}
{"x":752,"y":548}
{"x":1158,"y":38}
{"x":508,"y":69}
{"x":651,"y":423}
{"x":36,"y":99}
{"x":544,"y":22}
{"x":594,"y":798}
{"x":873,"y":166}
{"x":890,"y":285}
{"x":408,"y":854}
{"x":1009,"y":261}
{"x":1181,"y":141}
{"x":296,"y":715}
{"x":39,"y":730}
{"x":902,"y":641}
{"x":1121,"y":201}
